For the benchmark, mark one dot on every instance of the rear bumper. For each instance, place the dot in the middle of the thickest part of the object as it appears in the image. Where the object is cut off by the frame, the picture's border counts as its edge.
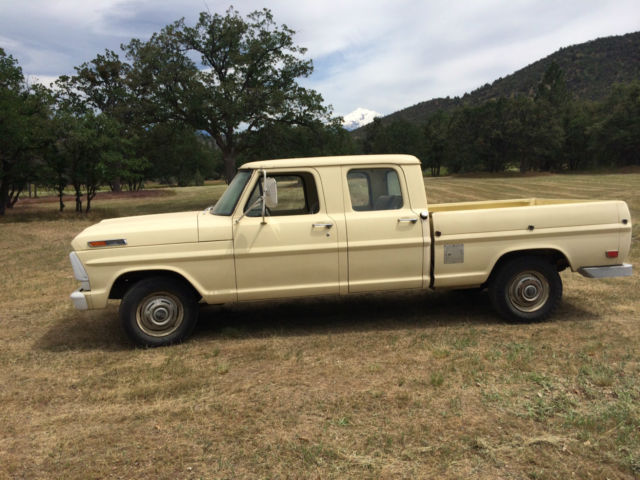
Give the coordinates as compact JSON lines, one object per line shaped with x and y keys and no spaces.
{"x":79,"y":300}
{"x":624,"y":270}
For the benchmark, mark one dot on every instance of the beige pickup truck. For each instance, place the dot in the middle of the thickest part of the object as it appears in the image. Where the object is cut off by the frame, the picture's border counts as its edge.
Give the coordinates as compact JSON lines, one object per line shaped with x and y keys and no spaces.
{"x":340,"y":225}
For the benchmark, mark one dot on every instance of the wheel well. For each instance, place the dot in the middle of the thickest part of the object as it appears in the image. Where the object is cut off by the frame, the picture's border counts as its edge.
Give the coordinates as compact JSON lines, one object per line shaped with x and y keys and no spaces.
{"x":554,"y":257}
{"x":125,"y":281}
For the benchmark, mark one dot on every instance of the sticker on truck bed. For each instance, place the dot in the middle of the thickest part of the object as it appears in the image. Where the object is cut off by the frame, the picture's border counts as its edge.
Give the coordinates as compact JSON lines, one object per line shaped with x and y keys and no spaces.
{"x":454,"y":253}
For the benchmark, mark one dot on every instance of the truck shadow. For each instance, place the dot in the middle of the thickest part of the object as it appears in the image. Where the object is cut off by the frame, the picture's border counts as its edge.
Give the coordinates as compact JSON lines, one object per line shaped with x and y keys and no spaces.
{"x":366,"y":312}
{"x":91,"y":330}
{"x":100,"y":329}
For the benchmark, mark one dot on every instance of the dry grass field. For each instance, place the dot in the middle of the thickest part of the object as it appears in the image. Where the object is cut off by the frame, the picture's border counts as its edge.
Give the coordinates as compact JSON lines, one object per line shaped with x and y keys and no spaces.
{"x":406,"y":385}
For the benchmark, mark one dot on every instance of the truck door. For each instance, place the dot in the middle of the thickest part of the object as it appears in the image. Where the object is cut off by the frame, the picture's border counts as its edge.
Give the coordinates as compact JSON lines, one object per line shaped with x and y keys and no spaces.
{"x":384,"y":235}
{"x":295,"y":252}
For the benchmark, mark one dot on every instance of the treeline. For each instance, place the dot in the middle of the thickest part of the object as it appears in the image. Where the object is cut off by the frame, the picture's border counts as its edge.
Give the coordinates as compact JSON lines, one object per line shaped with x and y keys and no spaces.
{"x":85,"y":133}
{"x":155,"y":113}
{"x":546,"y":131}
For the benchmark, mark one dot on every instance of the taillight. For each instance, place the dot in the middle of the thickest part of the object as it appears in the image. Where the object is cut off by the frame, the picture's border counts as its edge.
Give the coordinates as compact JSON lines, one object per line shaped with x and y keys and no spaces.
{"x":611,"y":253}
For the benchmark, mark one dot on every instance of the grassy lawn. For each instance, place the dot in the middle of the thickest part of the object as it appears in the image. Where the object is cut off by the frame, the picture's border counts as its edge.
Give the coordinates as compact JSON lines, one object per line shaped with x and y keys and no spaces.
{"x":403,"y":385}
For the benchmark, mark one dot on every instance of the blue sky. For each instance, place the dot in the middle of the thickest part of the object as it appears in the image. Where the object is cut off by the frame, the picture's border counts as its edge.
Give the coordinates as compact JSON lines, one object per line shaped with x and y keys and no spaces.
{"x":380,"y":55}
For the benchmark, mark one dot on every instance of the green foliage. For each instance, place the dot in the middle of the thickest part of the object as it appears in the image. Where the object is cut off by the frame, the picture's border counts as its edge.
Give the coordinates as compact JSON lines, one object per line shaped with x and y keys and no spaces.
{"x":280,"y":140}
{"x":616,"y":133}
{"x":435,"y":142}
{"x":156,"y":114}
{"x":24,"y":113}
{"x":179,"y":154}
{"x":549,"y":131}
{"x":563,"y":112}
{"x":248,"y":82}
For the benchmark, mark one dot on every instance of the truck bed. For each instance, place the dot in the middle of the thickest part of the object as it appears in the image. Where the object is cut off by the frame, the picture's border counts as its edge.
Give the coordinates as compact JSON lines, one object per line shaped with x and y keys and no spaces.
{"x":470,"y":237}
{"x":511,"y":203}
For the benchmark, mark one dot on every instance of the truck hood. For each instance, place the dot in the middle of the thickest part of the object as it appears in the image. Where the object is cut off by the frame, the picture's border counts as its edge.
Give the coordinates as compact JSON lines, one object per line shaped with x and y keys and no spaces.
{"x":160,"y":229}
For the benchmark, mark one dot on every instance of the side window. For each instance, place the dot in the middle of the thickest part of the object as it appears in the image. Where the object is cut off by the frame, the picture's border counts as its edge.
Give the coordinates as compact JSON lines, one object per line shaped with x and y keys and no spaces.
{"x":297,"y":195}
{"x":360,"y":190}
{"x":374,"y":189}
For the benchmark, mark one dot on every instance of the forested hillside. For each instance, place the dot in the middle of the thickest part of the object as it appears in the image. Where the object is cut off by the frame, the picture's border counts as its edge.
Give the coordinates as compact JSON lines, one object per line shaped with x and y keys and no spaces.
{"x":574,"y":110}
{"x":590,"y":69}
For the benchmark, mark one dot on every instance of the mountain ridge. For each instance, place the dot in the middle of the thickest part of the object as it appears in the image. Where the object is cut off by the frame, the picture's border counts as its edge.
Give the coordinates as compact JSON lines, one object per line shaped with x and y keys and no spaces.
{"x":589,"y":68}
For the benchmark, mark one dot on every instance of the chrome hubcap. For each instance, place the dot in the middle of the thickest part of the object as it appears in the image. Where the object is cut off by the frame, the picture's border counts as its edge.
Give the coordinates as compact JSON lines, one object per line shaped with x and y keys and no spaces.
{"x":159,"y":314}
{"x":528,"y":291}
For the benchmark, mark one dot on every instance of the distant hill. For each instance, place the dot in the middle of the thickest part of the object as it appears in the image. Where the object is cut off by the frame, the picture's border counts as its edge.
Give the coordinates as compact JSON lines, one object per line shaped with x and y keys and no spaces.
{"x":590,"y":69}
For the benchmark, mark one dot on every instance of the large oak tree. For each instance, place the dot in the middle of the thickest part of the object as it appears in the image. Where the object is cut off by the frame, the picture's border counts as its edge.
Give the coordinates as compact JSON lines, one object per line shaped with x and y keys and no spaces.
{"x":227,"y":75}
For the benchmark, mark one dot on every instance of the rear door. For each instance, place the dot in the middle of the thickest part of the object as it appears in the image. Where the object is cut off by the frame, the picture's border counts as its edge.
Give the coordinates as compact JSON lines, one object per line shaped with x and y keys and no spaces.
{"x":384,"y":234}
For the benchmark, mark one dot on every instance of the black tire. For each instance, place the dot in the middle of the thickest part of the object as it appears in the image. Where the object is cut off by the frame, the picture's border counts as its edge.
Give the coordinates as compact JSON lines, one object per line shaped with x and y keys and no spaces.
{"x":158,"y":311}
{"x":526,"y":289}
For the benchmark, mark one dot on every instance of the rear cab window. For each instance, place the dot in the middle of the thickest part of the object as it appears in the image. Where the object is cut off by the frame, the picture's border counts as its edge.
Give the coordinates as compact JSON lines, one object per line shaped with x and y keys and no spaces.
{"x":373,"y":189}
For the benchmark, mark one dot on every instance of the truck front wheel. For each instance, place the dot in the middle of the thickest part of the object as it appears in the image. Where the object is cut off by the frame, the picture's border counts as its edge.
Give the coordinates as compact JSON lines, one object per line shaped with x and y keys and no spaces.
{"x":158,"y":311}
{"x":526,"y":289}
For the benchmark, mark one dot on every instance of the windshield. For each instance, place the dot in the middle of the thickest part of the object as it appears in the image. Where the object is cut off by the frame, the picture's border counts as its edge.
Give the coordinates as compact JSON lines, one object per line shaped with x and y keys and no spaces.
{"x":229,"y":198}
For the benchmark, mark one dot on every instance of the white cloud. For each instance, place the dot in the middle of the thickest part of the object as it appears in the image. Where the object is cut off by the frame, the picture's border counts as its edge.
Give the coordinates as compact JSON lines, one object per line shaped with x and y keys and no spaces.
{"x":46,"y":80}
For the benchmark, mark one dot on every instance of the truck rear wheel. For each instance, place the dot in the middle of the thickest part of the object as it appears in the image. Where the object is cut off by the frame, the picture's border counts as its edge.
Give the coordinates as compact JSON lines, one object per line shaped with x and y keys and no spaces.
{"x":526,"y":289}
{"x":158,"y":311}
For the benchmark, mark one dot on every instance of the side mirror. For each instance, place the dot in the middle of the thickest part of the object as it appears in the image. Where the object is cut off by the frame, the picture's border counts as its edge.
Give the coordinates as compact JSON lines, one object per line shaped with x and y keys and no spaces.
{"x":270,"y":192}
{"x":268,"y":199}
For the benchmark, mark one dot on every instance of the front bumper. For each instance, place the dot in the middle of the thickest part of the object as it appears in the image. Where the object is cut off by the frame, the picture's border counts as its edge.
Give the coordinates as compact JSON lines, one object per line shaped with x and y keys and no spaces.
{"x":624,"y":270}
{"x":79,"y":300}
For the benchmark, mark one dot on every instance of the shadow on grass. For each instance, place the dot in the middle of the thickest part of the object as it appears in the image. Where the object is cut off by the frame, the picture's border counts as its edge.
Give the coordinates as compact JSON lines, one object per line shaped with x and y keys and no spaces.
{"x":92,"y":330}
{"x":100,"y":329}
{"x":362,"y":312}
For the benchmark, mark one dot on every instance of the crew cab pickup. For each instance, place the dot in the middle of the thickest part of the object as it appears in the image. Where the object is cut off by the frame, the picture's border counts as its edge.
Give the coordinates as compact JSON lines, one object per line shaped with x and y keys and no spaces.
{"x":335,"y":226}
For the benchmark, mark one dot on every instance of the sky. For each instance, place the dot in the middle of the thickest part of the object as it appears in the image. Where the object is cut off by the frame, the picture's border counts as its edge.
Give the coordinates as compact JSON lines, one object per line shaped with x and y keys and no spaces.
{"x":380,"y":55}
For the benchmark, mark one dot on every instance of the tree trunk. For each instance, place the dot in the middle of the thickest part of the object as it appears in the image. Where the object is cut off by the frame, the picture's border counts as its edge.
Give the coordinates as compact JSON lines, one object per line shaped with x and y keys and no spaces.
{"x":91,"y":193}
{"x":60,"y":195}
{"x":78,"y":198}
{"x":4,"y":196}
{"x":229,"y":159}
{"x":116,"y":185}
{"x":14,"y":195}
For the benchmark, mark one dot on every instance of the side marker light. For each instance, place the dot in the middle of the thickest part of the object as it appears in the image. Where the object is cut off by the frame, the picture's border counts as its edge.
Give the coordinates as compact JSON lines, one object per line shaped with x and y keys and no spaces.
{"x":107,"y":243}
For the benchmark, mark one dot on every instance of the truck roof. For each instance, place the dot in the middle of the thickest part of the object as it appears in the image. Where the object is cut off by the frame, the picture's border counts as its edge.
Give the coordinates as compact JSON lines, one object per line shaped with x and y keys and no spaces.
{"x":333,"y":161}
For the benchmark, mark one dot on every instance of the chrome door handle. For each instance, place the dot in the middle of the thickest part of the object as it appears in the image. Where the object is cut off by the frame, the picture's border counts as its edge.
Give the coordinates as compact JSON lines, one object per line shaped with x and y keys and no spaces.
{"x":325,"y":225}
{"x":410,"y":220}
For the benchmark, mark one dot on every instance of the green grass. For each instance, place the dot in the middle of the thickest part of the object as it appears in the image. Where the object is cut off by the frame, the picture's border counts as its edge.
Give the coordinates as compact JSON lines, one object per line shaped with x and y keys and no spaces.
{"x":398,"y":385}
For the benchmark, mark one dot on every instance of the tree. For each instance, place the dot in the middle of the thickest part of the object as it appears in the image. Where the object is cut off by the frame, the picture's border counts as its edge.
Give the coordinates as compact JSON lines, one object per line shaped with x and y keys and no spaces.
{"x":23,"y":125}
{"x":104,"y":85}
{"x":435,"y":132}
{"x":399,"y":136}
{"x":290,"y":141}
{"x":616,"y":134}
{"x":553,"y":87}
{"x":180,"y":155}
{"x":576,"y":124}
{"x":248,"y":80}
